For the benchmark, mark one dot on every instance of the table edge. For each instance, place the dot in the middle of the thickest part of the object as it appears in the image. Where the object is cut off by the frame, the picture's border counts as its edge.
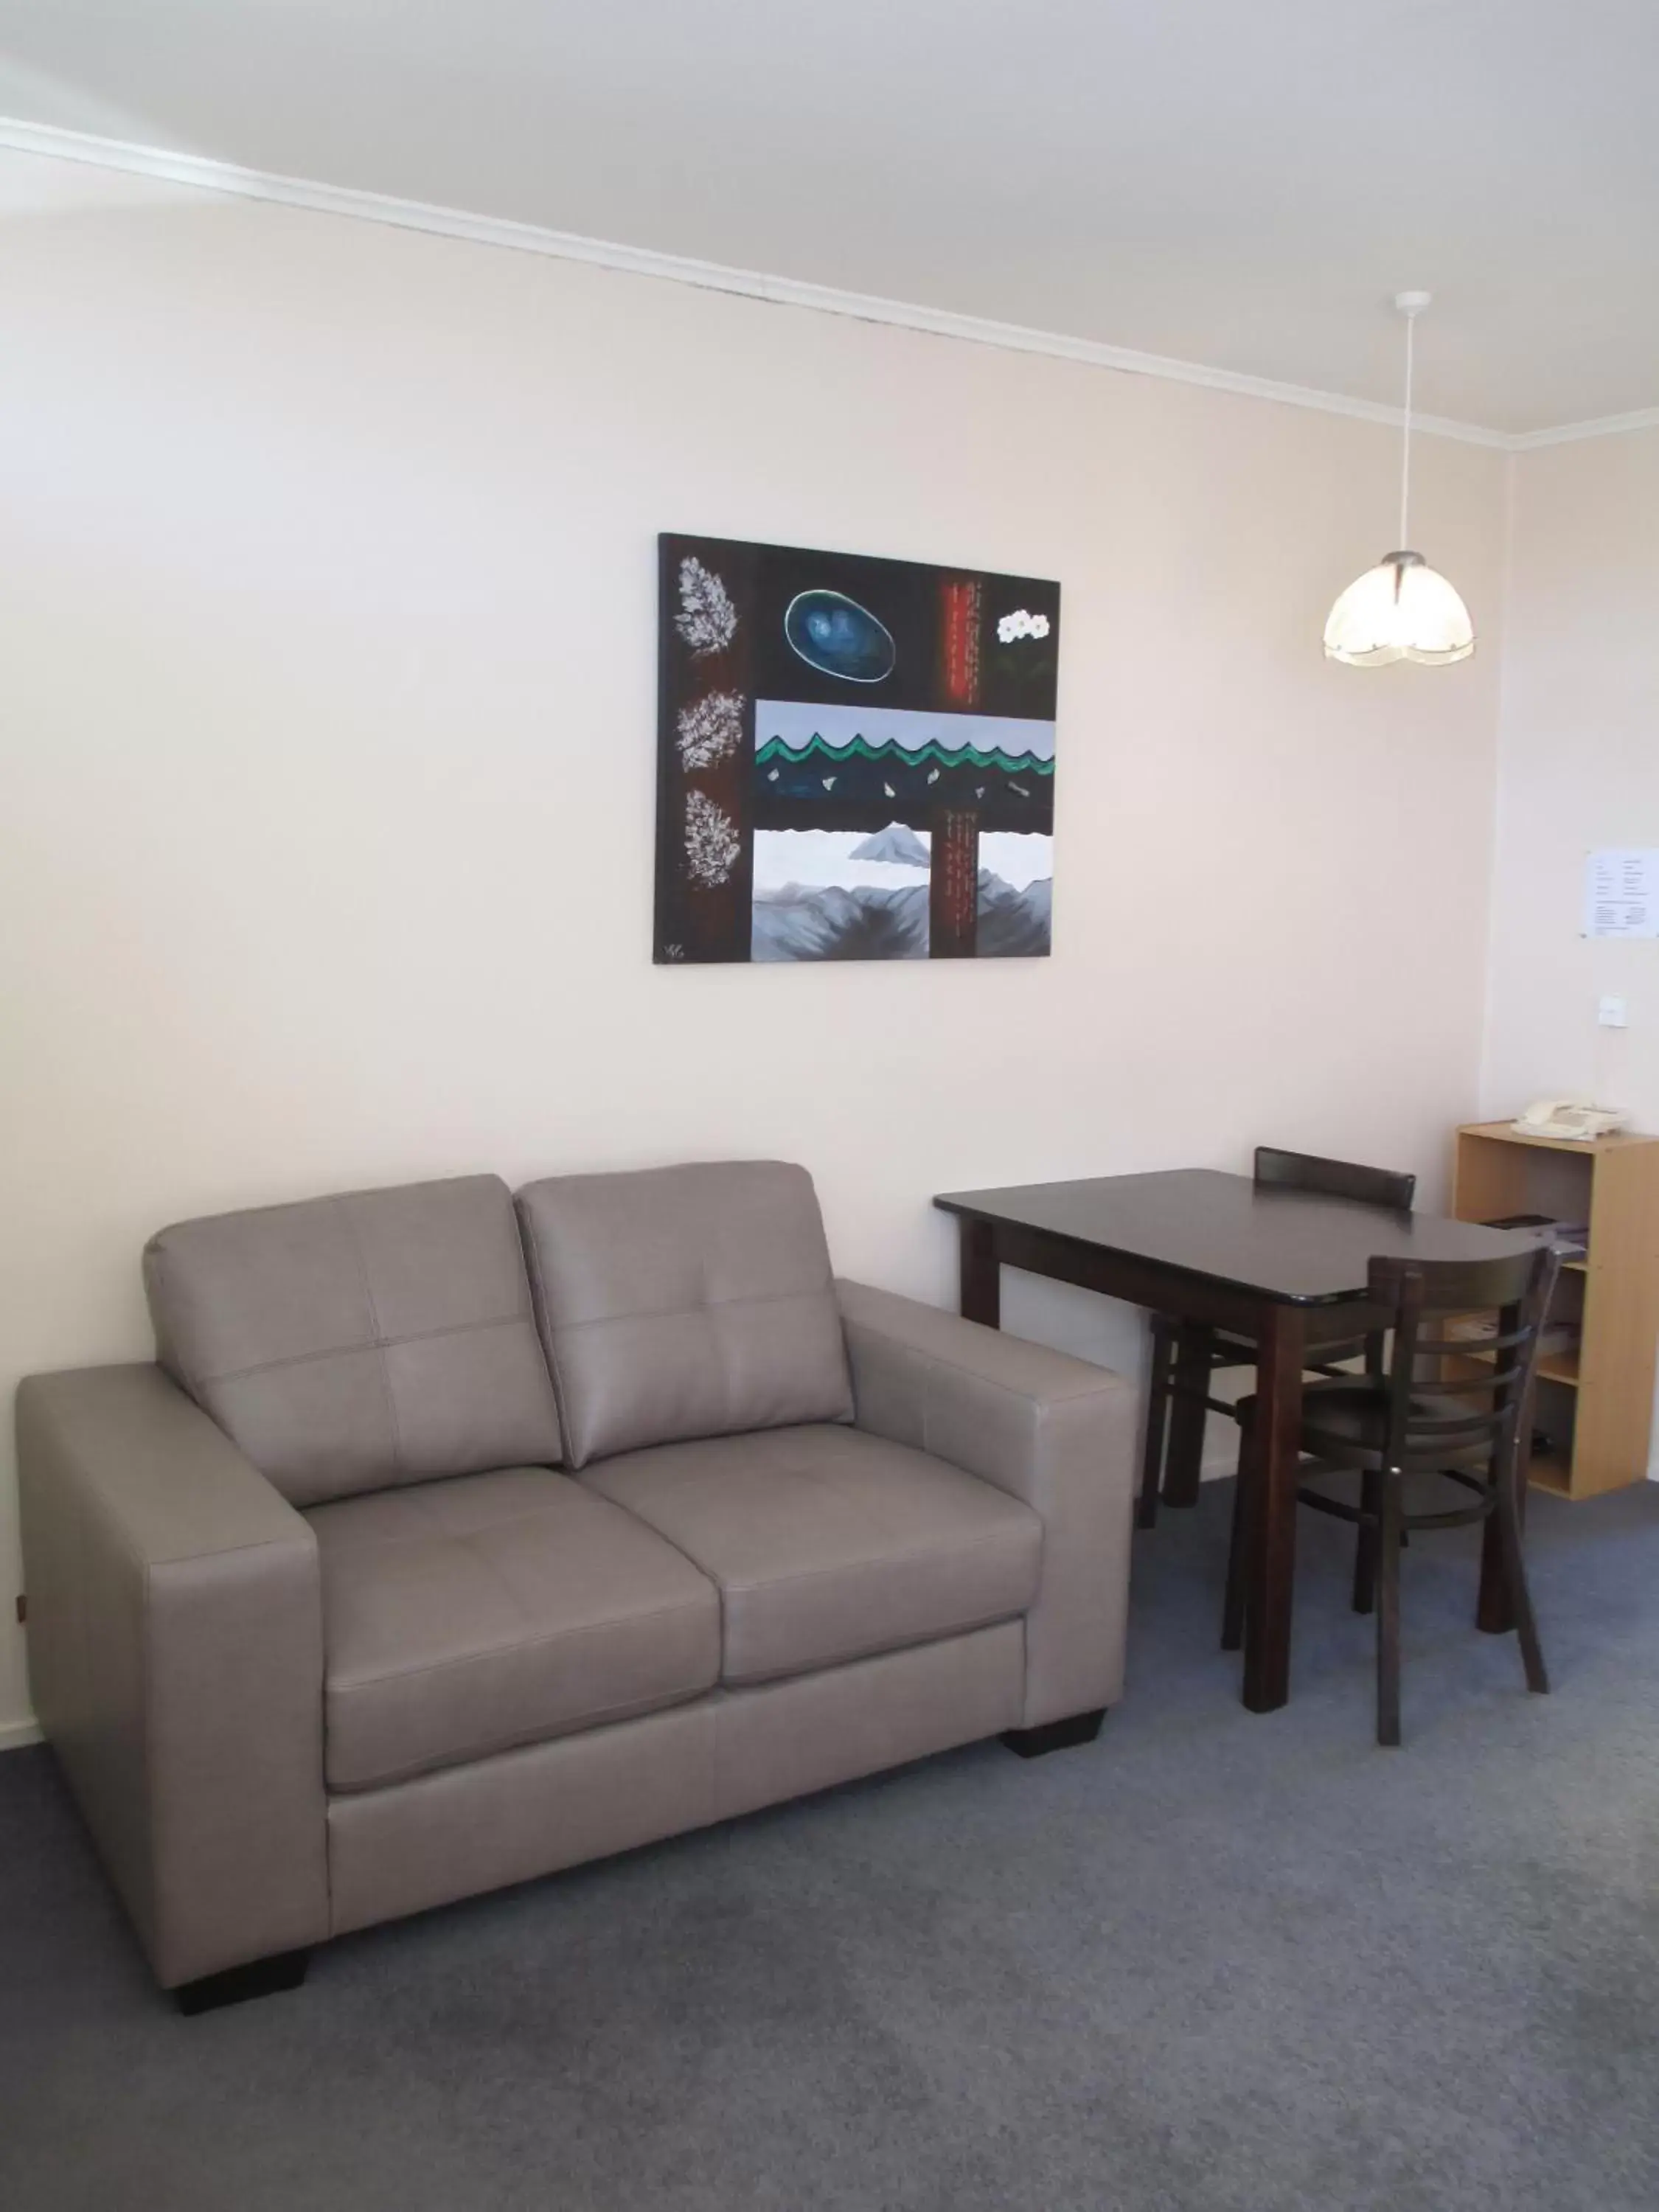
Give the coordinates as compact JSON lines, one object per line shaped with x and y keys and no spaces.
{"x":949,"y":1202}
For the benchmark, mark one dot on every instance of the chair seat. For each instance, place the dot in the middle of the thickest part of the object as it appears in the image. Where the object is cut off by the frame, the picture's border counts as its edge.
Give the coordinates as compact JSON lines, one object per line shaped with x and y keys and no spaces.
{"x":828,"y":1544}
{"x":467,"y":1616}
{"x":1234,"y":1350}
{"x":1345,"y":1423}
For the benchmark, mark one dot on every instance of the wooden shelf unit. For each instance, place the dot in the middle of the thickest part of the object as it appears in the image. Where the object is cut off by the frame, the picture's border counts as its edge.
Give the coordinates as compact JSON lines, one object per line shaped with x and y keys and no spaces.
{"x":1597,"y":1400}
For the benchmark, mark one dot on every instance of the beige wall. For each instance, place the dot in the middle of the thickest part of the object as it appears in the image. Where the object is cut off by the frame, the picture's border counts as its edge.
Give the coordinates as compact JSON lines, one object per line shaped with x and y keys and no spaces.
{"x":1580,"y":755}
{"x":327,"y":608}
{"x":1579,"y":768}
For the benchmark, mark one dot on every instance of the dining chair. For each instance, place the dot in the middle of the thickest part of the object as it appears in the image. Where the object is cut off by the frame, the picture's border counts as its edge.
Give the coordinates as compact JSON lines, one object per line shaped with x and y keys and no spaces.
{"x":1185,"y":1356}
{"x":1427,"y":1406}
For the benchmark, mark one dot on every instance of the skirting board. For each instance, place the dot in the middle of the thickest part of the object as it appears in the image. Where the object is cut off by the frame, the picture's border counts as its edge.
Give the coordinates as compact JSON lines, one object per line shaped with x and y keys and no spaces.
{"x":14,"y":1734}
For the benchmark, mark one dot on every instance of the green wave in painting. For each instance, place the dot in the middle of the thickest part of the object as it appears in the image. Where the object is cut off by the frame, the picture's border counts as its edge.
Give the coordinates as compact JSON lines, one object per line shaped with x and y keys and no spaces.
{"x":776,"y":748}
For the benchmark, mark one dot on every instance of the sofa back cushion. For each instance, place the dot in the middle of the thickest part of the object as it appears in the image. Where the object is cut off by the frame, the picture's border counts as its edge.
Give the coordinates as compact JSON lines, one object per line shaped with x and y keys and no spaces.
{"x":684,"y":1301}
{"x":349,"y":1343}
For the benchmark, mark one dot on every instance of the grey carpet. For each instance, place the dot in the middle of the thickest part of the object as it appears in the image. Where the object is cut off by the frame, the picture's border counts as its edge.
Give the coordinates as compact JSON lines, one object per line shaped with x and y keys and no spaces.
{"x":1213,"y":1964}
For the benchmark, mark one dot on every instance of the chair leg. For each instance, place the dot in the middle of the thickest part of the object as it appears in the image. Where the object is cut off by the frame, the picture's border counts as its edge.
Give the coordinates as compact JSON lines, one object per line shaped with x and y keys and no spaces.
{"x":1376,"y":1368}
{"x":1388,"y":1611}
{"x":1515,"y":1574}
{"x":1238,"y":1551}
{"x":1157,"y":1420}
{"x":1189,"y":1388}
{"x":1365,"y":1556}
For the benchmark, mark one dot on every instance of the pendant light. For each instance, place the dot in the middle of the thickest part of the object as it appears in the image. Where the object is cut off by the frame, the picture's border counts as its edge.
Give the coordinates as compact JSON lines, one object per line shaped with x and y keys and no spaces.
{"x":1402,"y":609}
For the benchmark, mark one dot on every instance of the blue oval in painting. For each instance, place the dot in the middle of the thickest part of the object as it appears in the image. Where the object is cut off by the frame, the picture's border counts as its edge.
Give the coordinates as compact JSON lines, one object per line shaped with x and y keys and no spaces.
{"x":835,"y":635}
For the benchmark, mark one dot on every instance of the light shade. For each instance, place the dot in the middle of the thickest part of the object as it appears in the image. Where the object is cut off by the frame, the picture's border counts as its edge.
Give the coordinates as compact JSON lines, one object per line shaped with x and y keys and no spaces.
{"x":1402,"y":609}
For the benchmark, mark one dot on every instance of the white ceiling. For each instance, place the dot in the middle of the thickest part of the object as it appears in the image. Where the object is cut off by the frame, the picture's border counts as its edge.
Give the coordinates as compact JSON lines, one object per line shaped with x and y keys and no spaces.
{"x":1243,"y":184}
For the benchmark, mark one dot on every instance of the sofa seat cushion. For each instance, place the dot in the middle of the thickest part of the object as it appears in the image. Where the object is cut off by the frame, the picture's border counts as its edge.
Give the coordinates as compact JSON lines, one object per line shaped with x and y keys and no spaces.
{"x":461,"y":1618}
{"x":829,"y":1544}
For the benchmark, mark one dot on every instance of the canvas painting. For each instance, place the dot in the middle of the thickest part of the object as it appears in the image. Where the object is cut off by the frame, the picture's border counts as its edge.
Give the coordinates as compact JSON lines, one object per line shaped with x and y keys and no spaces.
{"x":855,"y":758}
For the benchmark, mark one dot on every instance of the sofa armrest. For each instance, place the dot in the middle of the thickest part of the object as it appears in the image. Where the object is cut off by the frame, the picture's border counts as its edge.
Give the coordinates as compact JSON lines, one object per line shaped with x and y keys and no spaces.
{"x":175,"y":1645}
{"x":1055,"y":1431}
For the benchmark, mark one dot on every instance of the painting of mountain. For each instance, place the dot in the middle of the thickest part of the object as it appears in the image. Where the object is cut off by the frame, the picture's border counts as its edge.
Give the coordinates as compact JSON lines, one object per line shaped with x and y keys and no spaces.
{"x":1016,"y":895}
{"x":1011,"y":922}
{"x":895,"y":844}
{"x":855,"y":758}
{"x":839,"y":895}
{"x":826,"y":923}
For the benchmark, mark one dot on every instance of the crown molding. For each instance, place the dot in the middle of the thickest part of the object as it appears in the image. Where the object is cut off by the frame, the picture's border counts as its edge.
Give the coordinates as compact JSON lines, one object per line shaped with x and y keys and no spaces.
{"x":1569,"y":433}
{"x":201,"y":172}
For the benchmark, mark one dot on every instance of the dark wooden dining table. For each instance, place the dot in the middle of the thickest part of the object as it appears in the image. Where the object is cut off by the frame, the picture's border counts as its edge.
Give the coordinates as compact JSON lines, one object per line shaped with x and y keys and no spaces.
{"x":1214,"y":1251}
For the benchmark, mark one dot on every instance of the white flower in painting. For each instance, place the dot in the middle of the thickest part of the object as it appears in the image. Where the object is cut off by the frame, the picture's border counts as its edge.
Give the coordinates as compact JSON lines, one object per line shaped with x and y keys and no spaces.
{"x":711,"y":842}
{"x":710,"y":728}
{"x":1021,"y":624}
{"x":706,"y":619}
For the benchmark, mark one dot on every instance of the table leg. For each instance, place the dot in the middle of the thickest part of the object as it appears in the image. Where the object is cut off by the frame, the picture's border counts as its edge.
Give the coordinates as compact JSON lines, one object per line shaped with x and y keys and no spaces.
{"x":981,"y":1273}
{"x":1275,"y":1437}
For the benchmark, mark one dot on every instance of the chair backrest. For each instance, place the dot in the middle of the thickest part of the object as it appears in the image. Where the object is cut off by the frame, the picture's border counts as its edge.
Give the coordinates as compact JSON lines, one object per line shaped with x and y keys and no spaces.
{"x":1472,"y":1408}
{"x":1281,"y":1171}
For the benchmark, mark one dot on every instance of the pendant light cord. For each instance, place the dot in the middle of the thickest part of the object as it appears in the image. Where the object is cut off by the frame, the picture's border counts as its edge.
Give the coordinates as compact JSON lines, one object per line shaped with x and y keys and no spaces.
{"x":1404,"y":542}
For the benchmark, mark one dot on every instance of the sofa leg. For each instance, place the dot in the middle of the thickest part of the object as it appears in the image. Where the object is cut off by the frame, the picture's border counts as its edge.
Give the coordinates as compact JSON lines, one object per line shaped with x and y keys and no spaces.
{"x":260,"y":1977}
{"x":1055,"y":1736}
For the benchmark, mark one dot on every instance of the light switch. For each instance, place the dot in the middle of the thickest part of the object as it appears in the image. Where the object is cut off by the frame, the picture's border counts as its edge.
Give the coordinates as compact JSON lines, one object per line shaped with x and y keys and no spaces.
{"x":1610,"y":1012}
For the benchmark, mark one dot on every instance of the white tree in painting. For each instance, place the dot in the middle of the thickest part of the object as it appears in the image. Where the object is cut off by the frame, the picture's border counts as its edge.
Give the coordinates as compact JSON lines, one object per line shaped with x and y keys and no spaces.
{"x":710,"y":728}
{"x":706,"y":619}
{"x":712,"y":845}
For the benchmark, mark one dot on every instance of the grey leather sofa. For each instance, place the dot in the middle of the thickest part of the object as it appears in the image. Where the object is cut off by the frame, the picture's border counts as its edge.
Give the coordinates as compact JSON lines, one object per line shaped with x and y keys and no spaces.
{"x":441,"y":1549}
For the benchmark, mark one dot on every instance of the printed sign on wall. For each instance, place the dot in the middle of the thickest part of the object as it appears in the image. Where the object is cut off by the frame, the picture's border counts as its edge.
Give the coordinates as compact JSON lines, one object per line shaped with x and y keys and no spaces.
{"x":1621,"y":891}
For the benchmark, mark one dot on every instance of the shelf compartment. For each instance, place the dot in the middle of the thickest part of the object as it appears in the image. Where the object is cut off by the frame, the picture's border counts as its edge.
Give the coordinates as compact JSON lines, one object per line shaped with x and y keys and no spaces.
{"x":1549,"y":1471}
{"x":1559,"y":1367}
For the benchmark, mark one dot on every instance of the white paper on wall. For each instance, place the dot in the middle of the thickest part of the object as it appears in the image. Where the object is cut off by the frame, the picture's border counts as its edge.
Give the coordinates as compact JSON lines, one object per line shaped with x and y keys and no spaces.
{"x":1621,"y":891}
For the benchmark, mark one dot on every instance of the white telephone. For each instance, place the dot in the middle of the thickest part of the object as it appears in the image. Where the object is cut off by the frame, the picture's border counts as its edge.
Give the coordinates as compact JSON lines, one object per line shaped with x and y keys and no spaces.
{"x":1570,"y":1117}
